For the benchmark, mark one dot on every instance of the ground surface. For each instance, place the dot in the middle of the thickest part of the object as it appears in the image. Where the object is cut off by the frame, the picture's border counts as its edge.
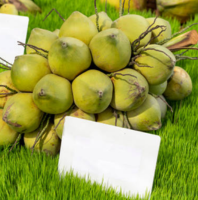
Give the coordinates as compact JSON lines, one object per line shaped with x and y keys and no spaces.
{"x":23,"y":176}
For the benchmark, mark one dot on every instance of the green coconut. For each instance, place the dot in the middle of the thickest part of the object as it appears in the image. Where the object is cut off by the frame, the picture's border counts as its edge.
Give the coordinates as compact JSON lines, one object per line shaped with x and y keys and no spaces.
{"x":27,"y":70}
{"x":8,"y":8}
{"x":75,"y":112}
{"x":147,"y":117}
{"x":111,"y":117}
{"x":163,"y":106}
{"x":161,"y":22}
{"x":7,"y":135}
{"x":69,"y":57}
{"x":48,"y":143}
{"x":133,"y":26}
{"x":179,"y":85}
{"x":78,"y":26}
{"x":156,"y":64}
{"x":130,"y":90}
{"x":41,"y":38}
{"x":158,"y":89}
{"x":104,"y":21}
{"x":53,"y":94}
{"x":92,"y":91}
{"x":111,"y":50}
{"x":21,"y":113}
{"x":5,"y":79}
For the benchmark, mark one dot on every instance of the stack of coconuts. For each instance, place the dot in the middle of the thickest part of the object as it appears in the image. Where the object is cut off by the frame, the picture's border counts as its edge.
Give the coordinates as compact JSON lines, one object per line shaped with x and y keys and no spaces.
{"x":92,"y":68}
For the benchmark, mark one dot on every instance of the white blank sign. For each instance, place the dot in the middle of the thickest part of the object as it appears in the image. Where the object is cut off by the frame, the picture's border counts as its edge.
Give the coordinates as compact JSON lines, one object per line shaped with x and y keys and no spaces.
{"x":12,"y":29}
{"x":117,"y":157}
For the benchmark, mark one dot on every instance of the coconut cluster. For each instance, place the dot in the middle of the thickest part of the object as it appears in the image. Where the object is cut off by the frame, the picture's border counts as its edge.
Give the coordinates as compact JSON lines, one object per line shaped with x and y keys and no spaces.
{"x":93,"y":68}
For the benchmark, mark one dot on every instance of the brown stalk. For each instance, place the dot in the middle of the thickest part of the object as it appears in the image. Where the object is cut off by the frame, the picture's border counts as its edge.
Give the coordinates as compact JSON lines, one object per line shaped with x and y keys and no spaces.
{"x":67,"y":113}
{"x":53,"y":9}
{"x":166,"y":103}
{"x":97,"y":16}
{"x":106,"y":6}
{"x":4,"y":66}
{"x":8,"y":88}
{"x":172,"y":61}
{"x":42,"y":130}
{"x":123,"y":7}
{"x":5,"y":61}
{"x":129,"y":6}
{"x":15,"y":143}
{"x":35,"y":48}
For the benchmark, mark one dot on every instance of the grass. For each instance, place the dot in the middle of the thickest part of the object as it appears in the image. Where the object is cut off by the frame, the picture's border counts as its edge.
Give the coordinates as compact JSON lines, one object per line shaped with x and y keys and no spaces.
{"x":23,"y":176}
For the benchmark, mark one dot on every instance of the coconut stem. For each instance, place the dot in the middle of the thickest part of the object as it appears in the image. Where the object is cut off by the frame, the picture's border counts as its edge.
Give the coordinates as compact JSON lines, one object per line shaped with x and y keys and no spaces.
{"x":136,"y":43}
{"x":123,"y":7}
{"x":42,"y":131}
{"x":67,"y":113}
{"x":129,"y":6}
{"x":164,"y":102}
{"x":35,"y":48}
{"x":126,"y":121}
{"x":4,"y":66}
{"x":116,"y":116}
{"x":178,"y":58}
{"x":152,"y":38}
{"x":5,"y":61}
{"x":56,"y":12}
{"x":147,"y":49}
{"x":9,"y":93}
{"x":139,"y":65}
{"x":176,"y":34}
{"x":116,"y":73}
{"x":16,"y":142}
{"x":120,"y":12}
{"x":8,"y":88}
{"x":106,"y":6}
{"x":97,"y":16}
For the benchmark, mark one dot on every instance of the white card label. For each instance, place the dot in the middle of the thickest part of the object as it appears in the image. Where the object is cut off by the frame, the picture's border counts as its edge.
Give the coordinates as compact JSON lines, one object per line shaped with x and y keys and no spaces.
{"x":122,"y":158}
{"x":12,"y":29}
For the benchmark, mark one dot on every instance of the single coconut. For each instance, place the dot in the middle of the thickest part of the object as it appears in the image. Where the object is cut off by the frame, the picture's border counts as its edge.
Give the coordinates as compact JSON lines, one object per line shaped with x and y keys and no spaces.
{"x":48,"y":143}
{"x":75,"y":112}
{"x":162,"y":104}
{"x":7,"y":135}
{"x":78,"y":26}
{"x":182,"y":10}
{"x":111,"y":117}
{"x":92,"y":91}
{"x":130,"y":89}
{"x":5,"y":93}
{"x":133,"y":26}
{"x":158,"y":89}
{"x":104,"y":21}
{"x":27,"y":70}
{"x":69,"y":57}
{"x":155,"y":63}
{"x":8,"y":8}
{"x":111,"y":50}
{"x":161,"y":22}
{"x":40,"y":38}
{"x":53,"y":94}
{"x":21,"y":113}
{"x":179,"y":85}
{"x":147,"y":117}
